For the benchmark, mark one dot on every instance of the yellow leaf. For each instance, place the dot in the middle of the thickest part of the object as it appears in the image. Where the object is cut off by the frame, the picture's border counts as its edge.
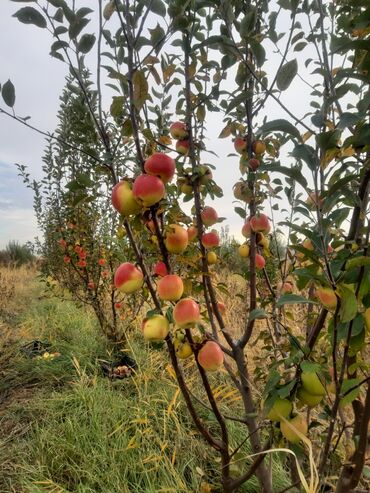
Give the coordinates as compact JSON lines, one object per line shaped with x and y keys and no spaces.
{"x":306,"y":136}
{"x":140,"y":88}
{"x":165,"y":140}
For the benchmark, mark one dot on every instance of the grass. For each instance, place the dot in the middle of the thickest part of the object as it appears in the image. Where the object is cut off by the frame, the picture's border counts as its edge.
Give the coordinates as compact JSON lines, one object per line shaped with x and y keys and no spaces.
{"x":67,"y":429}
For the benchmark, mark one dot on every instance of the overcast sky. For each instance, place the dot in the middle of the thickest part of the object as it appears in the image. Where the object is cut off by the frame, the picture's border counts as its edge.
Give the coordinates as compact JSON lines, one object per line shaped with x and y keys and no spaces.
{"x":39,"y":80}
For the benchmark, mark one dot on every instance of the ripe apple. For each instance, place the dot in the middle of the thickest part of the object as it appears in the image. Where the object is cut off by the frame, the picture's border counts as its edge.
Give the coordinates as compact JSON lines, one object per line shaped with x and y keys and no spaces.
{"x":285,"y":287}
{"x":128,"y":278}
{"x":260,"y":223}
{"x":170,"y":288}
{"x":91,"y":285}
{"x":260,"y":262}
{"x":102,"y":262}
{"x":243,"y":250}
{"x":123,"y":199}
{"x":291,"y":428}
{"x":155,"y":328}
{"x":192,"y":233}
{"x":176,"y":239}
{"x":221,"y":307}
{"x":66,"y":259}
{"x":186,"y":312}
{"x":240,"y":144}
{"x":327,"y":297}
{"x":81,"y":263}
{"x":148,"y":190}
{"x":246,"y":230}
{"x":253,"y":164}
{"x":212,"y":258}
{"x":211,"y":239}
{"x":161,"y":165}
{"x":259,"y":147}
{"x":311,"y":383}
{"x":281,"y":408}
{"x":182,"y":147}
{"x":160,"y":269}
{"x":310,"y":400}
{"x":183,"y":349}
{"x":178,"y":130}
{"x":211,"y":356}
{"x":209,"y":216}
{"x":118,"y":305}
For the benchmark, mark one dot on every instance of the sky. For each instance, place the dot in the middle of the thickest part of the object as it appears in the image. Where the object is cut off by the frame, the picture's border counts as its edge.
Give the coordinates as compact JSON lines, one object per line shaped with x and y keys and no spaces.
{"x":39,"y":80}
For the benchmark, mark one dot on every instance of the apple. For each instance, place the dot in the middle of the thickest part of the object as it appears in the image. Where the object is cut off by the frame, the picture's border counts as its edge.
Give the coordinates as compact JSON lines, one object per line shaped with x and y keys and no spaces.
{"x":161,"y":165}
{"x":212,"y":258}
{"x":186,"y":312}
{"x":123,"y":199}
{"x":62,"y":242}
{"x":170,"y":288}
{"x":291,"y":428}
{"x":221,"y":307}
{"x":242,"y":192}
{"x":192,"y":233}
{"x":262,"y":240}
{"x":285,"y":287}
{"x":182,"y":147}
{"x":260,"y":261}
{"x":66,"y":259}
{"x":240,"y":145}
{"x":210,"y":356}
{"x":91,"y":285}
{"x":160,"y":269}
{"x":209,"y":216}
{"x":205,"y":174}
{"x":155,"y":328}
{"x":311,"y":383}
{"x":178,"y":130}
{"x":211,"y":239}
{"x":281,"y":408}
{"x":327,"y":298}
{"x":128,"y":278}
{"x":253,"y":164}
{"x":243,"y":250}
{"x":118,"y":305}
{"x":176,"y":239}
{"x":148,"y":190}
{"x":259,"y":147}
{"x":260,"y":223}
{"x":310,"y":400}
{"x":102,"y":262}
{"x":81,"y":263}
{"x":246,"y":230}
{"x":183,"y":349}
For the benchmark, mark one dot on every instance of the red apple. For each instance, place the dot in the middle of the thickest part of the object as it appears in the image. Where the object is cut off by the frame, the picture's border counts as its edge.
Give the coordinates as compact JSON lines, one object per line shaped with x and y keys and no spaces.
{"x":123,"y":199}
{"x":182,"y":146}
{"x":66,"y":259}
{"x":327,"y":297}
{"x":221,"y":307}
{"x":285,"y":287}
{"x":90,"y":285}
{"x":186,"y":312}
{"x":211,"y":356}
{"x":148,"y":190}
{"x":118,"y":305}
{"x":102,"y":262}
{"x":246,"y":230}
{"x":260,"y":223}
{"x":253,"y":164}
{"x":81,"y":263}
{"x":209,"y":216}
{"x":155,"y":328}
{"x":62,"y":243}
{"x":161,"y":165}
{"x":128,"y":278}
{"x":170,"y":288}
{"x":211,"y":239}
{"x":160,"y":269}
{"x":176,"y":239}
{"x":178,"y":130}
{"x":260,"y":261}
{"x":192,"y":233}
{"x":240,"y":145}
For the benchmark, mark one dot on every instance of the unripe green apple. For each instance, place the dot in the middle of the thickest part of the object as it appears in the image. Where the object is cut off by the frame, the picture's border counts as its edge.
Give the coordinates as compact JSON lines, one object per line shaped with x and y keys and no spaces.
{"x":281,"y":408}
{"x":310,"y":400}
{"x":311,"y":383}
{"x":291,"y":428}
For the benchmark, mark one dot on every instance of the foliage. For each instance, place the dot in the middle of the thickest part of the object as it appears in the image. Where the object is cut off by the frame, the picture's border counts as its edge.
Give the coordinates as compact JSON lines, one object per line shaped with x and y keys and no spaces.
{"x":16,"y":254}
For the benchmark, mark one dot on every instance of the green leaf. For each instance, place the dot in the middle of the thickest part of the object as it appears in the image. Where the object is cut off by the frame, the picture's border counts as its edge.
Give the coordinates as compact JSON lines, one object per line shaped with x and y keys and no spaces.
{"x":29,"y":15}
{"x":348,"y":119}
{"x":310,"y":367}
{"x":127,"y":129}
{"x":8,"y":93}
{"x":293,"y":173}
{"x":347,"y":385}
{"x":248,"y":22}
{"x":280,"y":125}
{"x":241,"y":212}
{"x":328,"y":140}
{"x":286,"y":74}
{"x":86,"y":43}
{"x":357,"y":262}
{"x":116,"y":108}
{"x":290,"y":299}
{"x":140,"y":88}
{"x":157,"y":36}
{"x":307,"y":154}
{"x":257,"y":314}
{"x":76,"y":26}
{"x":348,"y":303}
{"x":158,"y":7}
